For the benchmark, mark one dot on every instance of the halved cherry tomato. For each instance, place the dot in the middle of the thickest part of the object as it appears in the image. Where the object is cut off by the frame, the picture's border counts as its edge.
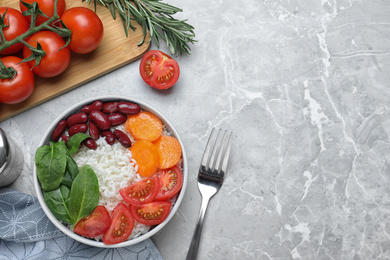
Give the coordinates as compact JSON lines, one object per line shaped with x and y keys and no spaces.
{"x":47,"y":7}
{"x":56,"y":59}
{"x":19,"y":88}
{"x":16,"y":25}
{"x":152,"y":213}
{"x":141,"y":192}
{"x":94,"y":224}
{"x":122,"y":224}
{"x":87,"y":29}
{"x":159,"y":70}
{"x":171,"y":182}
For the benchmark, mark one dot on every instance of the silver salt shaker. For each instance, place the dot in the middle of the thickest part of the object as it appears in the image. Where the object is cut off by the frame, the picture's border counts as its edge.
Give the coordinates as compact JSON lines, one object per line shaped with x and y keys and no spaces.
{"x":11,"y":160}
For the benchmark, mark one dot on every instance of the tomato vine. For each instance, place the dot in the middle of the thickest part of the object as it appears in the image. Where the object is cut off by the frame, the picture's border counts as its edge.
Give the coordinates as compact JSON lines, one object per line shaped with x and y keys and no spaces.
{"x":37,"y":52}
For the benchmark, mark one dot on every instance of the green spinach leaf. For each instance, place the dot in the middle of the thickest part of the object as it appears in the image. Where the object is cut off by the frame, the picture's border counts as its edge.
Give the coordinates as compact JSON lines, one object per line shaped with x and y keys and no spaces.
{"x":67,"y":180}
{"x":51,"y":165}
{"x":71,"y":170}
{"x":75,"y":141}
{"x":84,"y":194}
{"x":58,"y":202}
{"x":71,"y":166}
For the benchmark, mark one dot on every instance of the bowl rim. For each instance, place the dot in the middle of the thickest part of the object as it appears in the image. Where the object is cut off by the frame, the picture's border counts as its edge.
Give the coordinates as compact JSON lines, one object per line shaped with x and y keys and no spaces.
{"x":67,"y":231}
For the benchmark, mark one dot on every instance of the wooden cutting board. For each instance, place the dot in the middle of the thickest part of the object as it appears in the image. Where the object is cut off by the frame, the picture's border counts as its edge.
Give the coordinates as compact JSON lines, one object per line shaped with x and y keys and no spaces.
{"x":115,"y":50}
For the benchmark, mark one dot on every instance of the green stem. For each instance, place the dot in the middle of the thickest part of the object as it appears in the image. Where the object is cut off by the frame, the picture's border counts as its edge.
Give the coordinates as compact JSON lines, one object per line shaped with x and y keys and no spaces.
{"x":32,"y":30}
{"x":33,"y":49}
{"x":6,"y":73}
{"x":2,"y":36}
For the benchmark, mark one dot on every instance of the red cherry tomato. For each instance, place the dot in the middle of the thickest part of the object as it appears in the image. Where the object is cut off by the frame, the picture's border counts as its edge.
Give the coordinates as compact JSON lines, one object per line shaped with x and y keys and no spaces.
{"x":144,"y":191}
{"x":87,"y":29}
{"x":152,"y":213}
{"x":55,"y":61}
{"x":171,"y":181}
{"x":94,"y":224}
{"x":122,"y":224}
{"x":21,"y":86}
{"x":16,"y":25}
{"x":159,"y":70}
{"x":47,"y":7}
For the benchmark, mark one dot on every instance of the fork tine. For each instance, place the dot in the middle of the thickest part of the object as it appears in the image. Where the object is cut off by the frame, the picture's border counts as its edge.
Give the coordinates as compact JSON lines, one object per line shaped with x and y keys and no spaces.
{"x":206,"y":157}
{"x":216,"y":149}
{"x":227,"y":153}
{"x":221,"y":150}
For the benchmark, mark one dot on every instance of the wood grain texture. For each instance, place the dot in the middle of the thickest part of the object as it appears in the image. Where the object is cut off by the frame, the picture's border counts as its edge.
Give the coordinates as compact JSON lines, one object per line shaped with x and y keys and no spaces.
{"x":115,"y":50}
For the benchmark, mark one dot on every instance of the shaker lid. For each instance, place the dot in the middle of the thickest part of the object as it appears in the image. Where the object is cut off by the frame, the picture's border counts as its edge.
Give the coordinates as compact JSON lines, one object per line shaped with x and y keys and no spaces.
{"x":4,"y":150}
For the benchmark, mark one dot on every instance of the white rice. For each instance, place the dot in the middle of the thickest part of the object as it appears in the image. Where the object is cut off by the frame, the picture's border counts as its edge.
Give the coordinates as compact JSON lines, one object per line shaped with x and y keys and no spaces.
{"x":115,"y":169}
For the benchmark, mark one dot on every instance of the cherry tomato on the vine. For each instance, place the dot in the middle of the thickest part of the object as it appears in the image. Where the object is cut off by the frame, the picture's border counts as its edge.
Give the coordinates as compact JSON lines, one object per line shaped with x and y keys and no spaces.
{"x":87,"y":29}
{"x":47,"y":7}
{"x":16,"y":25}
{"x":55,"y":61}
{"x":159,"y":70}
{"x":20,"y":87}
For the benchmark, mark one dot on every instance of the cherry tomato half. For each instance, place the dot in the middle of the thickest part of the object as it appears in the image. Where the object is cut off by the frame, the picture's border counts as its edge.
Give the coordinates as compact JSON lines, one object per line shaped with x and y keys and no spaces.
{"x":55,"y":61}
{"x":16,"y":25}
{"x":21,"y":86}
{"x":159,"y":70}
{"x":122,"y":224}
{"x":47,"y":7}
{"x":144,"y":191}
{"x":87,"y":29}
{"x":94,"y":224}
{"x":171,"y":182}
{"x":152,"y":213}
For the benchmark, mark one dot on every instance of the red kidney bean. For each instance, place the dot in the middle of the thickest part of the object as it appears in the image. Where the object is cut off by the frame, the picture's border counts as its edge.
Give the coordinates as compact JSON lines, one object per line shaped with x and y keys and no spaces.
{"x":100,"y":120}
{"x":79,"y":128}
{"x":110,"y":107}
{"x":59,"y":130}
{"x":65,"y":138}
{"x":90,"y":143}
{"x":109,"y":136}
{"x":128,"y":108}
{"x":78,"y":118}
{"x":122,"y":138}
{"x":93,"y":131}
{"x":97,"y":105}
{"x":117,"y":119}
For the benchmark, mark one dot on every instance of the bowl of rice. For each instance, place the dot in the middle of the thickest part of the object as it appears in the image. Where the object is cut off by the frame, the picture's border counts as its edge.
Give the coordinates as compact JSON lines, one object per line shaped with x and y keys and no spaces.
{"x":115,"y":169}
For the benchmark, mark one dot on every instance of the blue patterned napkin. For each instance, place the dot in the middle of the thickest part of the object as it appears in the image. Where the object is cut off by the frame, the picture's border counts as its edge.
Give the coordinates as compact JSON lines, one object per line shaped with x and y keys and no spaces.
{"x":26,"y":233}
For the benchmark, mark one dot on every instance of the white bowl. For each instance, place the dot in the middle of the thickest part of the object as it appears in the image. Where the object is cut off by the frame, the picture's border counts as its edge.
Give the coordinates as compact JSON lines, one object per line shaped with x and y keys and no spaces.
{"x":46,"y":141}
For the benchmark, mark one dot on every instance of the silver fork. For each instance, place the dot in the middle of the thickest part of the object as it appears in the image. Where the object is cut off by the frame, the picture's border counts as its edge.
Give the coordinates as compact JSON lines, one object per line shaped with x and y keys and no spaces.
{"x":210,"y":178}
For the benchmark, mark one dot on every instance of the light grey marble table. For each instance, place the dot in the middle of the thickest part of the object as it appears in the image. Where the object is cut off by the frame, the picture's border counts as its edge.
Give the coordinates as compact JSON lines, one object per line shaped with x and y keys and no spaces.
{"x":305,"y":87}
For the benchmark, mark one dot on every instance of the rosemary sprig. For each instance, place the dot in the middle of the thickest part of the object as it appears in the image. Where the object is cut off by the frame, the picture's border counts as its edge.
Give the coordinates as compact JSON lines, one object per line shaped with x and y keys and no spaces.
{"x":156,"y":18}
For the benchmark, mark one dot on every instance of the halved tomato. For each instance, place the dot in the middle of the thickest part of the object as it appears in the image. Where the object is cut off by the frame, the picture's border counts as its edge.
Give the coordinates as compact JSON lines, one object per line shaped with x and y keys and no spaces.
{"x":94,"y":224}
{"x":122,"y":224}
{"x":152,"y":213}
{"x":171,"y":181}
{"x":144,"y":191}
{"x":159,"y":70}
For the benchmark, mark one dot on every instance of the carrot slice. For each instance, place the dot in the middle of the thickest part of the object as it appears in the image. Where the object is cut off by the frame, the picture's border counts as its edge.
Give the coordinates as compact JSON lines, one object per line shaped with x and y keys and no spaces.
{"x":169,"y":151}
{"x":146,"y":155}
{"x":144,"y":126}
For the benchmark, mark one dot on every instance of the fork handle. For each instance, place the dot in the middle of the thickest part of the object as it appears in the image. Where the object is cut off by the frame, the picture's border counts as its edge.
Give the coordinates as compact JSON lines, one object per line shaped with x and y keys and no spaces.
{"x":193,"y":251}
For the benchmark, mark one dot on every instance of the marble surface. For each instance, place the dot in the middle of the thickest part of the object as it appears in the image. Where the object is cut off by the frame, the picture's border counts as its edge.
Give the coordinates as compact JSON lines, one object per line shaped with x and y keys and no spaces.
{"x":304,"y":86}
